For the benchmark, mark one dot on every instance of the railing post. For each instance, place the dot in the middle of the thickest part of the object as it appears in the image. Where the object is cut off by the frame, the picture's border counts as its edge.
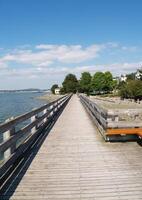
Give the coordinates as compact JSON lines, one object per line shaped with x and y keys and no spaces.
{"x":59,"y":104}
{"x":116,"y":118}
{"x":52,"y":112}
{"x":56,"y":107}
{"x":12,"y":132}
{"x":6,"y":136}
{"x":33,"y":118}
{"x":44,"y":112}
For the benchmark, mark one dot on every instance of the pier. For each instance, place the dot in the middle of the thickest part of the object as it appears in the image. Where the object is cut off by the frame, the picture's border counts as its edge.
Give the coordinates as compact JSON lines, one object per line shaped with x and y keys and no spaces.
{"x":68,"y":159}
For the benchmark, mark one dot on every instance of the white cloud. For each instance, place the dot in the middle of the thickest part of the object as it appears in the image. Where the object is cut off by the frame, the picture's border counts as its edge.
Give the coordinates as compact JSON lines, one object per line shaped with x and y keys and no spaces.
{"x":45,"y":46}
{"x":118,"y":46}
{"x":51,"y":72}
{"x":3,"y":65}
{"x":45,"y":64}
{"x":54,"y":61}
{"x":115,"y":68}
{"x":131,"y":48}
{"x":44,"y":55}
{"x":47,"y":54}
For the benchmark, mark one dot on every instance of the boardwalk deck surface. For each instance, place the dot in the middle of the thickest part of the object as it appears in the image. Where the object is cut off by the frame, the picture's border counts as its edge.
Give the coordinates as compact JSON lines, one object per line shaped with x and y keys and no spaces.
{"x":75,"y":163}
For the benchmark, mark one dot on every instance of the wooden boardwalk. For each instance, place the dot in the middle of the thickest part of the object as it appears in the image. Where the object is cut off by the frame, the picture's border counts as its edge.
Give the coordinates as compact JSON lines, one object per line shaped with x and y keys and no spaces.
{"x":75,"y":163}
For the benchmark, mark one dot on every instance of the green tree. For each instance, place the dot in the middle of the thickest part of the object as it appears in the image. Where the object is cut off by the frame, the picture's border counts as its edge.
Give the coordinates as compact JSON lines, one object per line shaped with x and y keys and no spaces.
{"x":70,"y":84}
{"x":98,"y":81}
{"x":132,"y":89}
{"x":131,"y":76}
{"x":121,"y":84}
{"x":62,"y":91}
{"x":109,"y":83}
{"x":85,"y":82}
{"x":53,"y":88}
{"x":103,"y":82}
{"x":123,"y":90}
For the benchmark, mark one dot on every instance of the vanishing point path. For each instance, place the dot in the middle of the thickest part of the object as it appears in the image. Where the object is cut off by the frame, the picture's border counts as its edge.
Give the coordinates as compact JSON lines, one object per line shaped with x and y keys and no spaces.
{"x":75,"y":163}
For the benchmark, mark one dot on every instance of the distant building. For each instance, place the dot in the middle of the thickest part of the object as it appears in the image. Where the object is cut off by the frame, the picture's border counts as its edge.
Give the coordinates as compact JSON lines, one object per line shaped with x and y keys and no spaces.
{"x":123,"y":77}
{"x":57,"y":91}
{"x":138,"y":74}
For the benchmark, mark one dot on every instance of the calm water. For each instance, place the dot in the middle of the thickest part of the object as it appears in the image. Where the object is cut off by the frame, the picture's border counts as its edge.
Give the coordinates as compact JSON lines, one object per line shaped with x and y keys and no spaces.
{"x":14,"y":104}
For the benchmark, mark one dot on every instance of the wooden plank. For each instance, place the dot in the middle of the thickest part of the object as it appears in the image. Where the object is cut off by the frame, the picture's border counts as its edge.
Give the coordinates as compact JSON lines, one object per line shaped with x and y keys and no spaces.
{"x":13,"y":139}
{"x":124,"y":131}
{"x":110,"y":119}
{"x":75,"y":163}
{"x":124,"y":124}
{"x":28,"y":140}
{"x":100,"y":110}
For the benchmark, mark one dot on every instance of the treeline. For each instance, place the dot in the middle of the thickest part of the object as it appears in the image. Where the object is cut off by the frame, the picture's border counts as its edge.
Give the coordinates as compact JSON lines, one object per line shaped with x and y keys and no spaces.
{"x":98,"y":83}
{"x":103,"y":83}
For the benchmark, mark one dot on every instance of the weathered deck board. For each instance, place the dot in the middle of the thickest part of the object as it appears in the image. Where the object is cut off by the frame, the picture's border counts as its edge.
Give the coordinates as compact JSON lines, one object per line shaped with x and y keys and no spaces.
{"x":75,"y":163}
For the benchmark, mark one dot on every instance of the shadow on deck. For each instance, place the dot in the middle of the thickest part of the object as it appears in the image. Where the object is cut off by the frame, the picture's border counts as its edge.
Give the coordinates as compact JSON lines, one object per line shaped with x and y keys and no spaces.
{"x":19,"y":168}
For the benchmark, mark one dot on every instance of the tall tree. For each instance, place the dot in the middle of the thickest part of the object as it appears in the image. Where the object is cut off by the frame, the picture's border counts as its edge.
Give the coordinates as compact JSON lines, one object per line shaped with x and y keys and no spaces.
{"x":132,"y":89}
{"x":103,"y":82}
{"x":85,"y":82}
{"x":53,"y":88}
{"x":98,"y":81}
{"x":130,"y":76}
{"x":109,"y":83}
{"x":70,"y":83}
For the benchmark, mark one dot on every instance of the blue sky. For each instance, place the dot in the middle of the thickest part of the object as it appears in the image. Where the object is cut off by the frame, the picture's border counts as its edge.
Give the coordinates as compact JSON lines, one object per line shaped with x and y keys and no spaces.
{"x":43,"y":40}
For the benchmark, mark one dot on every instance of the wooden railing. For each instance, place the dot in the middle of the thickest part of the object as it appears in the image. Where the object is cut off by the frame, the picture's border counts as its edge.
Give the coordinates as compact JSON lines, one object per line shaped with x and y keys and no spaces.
{"x":110,"y":122}
{"x":16,"y":138}
{"x":98,"y":114}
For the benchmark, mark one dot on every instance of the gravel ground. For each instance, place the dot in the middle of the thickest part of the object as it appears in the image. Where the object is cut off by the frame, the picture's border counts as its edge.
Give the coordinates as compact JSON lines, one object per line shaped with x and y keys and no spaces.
{"x":115,"y":103}
{"x":50,"y":97}
{"x":126,"y":110}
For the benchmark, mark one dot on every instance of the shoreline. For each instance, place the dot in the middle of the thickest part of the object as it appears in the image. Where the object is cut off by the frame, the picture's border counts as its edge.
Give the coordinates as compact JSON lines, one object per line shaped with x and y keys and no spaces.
{"x":49,"y":97}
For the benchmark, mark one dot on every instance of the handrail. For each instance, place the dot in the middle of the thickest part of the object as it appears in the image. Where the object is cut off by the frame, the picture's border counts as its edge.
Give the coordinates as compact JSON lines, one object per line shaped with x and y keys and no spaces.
{"x":4,"y":126}
{"x":11,"y":148}
{"x":107,"y":120}
{"x":97,"y":111}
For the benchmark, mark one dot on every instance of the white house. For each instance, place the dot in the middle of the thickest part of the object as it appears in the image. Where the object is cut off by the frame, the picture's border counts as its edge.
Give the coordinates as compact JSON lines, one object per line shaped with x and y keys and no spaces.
{"x":57,"y":91}
{"x":123,"y":77}
{"x":138,"y":74}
